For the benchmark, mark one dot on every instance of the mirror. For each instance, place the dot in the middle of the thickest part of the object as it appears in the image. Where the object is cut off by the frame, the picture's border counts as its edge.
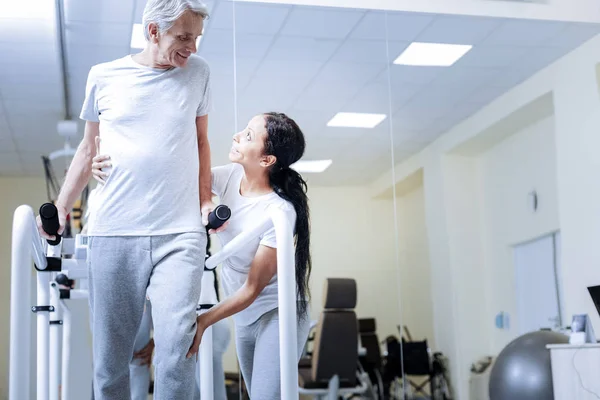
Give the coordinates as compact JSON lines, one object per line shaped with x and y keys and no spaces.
{"x":457,"y":194}
{"x":480,"y":154}
{"x":326,"y":68}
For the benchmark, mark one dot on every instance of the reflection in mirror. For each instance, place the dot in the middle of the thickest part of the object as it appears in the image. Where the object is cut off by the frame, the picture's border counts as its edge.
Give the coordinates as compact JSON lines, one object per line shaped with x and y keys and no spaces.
{"x":453,"y":202}
{"x":490,"y":119}
{"x":323,"y":68}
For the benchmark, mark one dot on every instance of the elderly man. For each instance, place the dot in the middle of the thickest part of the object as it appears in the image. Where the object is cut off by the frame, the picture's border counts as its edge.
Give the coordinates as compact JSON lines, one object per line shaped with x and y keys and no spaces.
{"x":146,"y":230}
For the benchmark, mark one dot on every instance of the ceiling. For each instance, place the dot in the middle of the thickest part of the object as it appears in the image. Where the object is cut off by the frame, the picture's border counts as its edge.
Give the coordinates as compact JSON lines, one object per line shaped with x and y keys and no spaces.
{"x":306,"y":61}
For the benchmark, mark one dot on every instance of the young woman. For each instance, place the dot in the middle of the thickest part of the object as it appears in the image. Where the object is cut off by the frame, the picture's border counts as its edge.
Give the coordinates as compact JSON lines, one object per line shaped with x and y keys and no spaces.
{"x":259,"y":177}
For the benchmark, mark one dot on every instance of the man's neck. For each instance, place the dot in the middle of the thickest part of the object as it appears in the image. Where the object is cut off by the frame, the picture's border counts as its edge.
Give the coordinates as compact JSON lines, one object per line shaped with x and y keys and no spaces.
{"x":149,"y":58}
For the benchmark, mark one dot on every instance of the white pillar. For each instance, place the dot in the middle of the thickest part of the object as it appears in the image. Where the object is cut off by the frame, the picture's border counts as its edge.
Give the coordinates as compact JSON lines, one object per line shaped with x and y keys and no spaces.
{"x":286,"y":285}
{"x":458,"y":280}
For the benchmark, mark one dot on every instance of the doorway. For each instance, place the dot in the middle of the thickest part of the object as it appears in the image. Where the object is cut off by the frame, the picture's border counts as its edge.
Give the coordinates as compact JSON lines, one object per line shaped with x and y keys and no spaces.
{"x":539,"y":300}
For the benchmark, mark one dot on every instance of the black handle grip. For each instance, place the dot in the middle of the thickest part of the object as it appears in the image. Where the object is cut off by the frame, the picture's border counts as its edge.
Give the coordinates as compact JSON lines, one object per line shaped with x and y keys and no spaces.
{"x":50,"y":223}
{"x":62,"y":279}
{"x":218,"y":216}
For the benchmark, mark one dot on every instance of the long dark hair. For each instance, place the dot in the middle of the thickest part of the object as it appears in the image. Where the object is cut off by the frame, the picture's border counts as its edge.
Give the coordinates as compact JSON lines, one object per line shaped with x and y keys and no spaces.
{"x":286,"y":142}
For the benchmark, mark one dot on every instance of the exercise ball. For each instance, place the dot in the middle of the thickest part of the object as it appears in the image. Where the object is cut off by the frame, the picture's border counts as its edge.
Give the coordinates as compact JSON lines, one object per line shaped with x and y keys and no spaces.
{"x":522,"y":370}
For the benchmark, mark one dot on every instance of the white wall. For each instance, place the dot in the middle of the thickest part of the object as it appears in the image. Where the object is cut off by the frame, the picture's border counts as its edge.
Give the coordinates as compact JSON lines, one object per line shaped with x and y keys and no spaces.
{"x":415,"y":281}
{"x":571,"y":84}
{"x":577,"y":105}
{"x":462,"y":203}
{"x":13,"y":193}
{"x":452,"y":203}
{"x":567,"y":90}
{"x":476,"y":209}
{"x":524,"y":162}
{"x":353,"y":237}
{"x":442,"y":287}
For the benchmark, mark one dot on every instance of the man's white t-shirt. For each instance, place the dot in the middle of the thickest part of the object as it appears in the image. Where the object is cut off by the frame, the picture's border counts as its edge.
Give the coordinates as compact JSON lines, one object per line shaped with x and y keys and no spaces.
{"x":246,"y":212}
{"x":148,"y":127}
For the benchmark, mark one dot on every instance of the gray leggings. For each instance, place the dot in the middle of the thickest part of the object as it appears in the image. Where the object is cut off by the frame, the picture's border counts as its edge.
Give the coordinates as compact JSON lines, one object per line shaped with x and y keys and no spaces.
{"x":258,"y":353}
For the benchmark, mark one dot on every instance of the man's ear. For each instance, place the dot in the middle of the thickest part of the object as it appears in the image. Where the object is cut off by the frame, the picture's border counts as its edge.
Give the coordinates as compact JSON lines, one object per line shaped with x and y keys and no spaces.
{"x":153,"y":32}
{"x":267,"y":161}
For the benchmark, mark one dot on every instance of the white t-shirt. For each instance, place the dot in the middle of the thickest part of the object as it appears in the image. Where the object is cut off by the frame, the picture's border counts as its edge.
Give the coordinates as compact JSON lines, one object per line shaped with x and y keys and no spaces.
{"x":148,"y":127}
{"x":246,"y":212}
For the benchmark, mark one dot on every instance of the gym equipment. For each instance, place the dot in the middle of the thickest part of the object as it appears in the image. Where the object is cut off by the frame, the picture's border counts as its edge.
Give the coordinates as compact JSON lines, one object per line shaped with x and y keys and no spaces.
{"x":27,"y":244}
{"x":333,"y":369}
{"x":50,"y":223}
{"x":522,"y":370}
{"x":68,"y":257}
{"x":218,"y":216}
{"x":216,"y":219}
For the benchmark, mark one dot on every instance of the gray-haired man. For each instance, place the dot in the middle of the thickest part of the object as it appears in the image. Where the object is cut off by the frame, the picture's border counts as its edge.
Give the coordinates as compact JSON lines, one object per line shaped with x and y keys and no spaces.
{"x":146,"y":229}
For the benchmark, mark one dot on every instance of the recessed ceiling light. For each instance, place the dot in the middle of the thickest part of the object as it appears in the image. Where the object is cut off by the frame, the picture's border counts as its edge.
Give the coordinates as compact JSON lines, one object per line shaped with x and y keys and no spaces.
{"x":356,"y":120}
{"x":316,"y":166}
{"x":138,"y":41}
{"x":432,"y":54}
{"x":36,"y":9}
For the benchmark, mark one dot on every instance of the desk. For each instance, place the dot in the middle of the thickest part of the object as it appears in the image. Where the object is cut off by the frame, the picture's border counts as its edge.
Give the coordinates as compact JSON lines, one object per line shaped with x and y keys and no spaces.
{"x":567,"y":361}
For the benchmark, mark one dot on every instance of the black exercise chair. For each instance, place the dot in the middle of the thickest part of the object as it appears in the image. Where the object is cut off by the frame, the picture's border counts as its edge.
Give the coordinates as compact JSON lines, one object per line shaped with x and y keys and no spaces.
{"x":331,"y":371}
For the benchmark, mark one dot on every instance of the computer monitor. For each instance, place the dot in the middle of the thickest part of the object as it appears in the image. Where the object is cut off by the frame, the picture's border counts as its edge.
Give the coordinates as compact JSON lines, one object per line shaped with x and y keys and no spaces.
{"x":595,"y":294}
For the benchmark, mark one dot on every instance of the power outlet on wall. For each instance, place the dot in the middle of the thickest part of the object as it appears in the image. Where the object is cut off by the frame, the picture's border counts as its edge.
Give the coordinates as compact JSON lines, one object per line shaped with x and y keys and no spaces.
{"x":502,"y":320}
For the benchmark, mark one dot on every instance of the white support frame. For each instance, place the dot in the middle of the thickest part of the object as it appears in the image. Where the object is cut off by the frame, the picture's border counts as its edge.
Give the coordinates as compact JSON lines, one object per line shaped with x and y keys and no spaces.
{"x":286,"y":282}
{"x":20,"y":294}
{"x":27,"y":245}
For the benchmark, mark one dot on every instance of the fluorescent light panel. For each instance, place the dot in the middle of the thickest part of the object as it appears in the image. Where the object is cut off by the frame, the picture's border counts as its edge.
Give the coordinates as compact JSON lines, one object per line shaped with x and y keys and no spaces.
{"x":356,"y":120}
{"x":316,"y":166}
{"x":31,"y":10}
{"x":432,"y":54}
{"x":138,"y":41}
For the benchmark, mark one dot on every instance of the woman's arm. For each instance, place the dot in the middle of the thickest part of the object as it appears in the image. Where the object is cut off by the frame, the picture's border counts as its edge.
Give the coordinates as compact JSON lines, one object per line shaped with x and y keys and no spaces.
{"x":262,"y":270}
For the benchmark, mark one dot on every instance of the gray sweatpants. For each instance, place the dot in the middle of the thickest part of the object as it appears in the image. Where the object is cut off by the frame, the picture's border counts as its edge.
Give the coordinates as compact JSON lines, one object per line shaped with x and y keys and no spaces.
{"x":258,"y":353}
{"x":139,"y":375}
{"x":122,"y":270}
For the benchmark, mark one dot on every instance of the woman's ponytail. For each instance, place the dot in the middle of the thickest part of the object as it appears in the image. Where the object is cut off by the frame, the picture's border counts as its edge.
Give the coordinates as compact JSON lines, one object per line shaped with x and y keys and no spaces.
{"x":286,"y":142}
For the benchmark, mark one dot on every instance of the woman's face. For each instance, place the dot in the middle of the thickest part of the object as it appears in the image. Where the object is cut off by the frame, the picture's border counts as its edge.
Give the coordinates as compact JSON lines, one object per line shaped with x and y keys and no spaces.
{"x":248,"y":147}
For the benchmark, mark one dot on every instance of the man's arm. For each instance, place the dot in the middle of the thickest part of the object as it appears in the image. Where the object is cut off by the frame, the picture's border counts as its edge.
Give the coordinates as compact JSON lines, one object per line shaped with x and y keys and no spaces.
{"x":78,"y":175}
{"x":206,"y":204}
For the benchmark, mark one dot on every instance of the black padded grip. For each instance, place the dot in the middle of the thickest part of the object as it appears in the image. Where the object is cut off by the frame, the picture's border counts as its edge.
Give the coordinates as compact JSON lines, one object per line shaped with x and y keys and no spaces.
{"x":218,"y":216}
{"x":62,"y":279}
{"x":50,"y":223}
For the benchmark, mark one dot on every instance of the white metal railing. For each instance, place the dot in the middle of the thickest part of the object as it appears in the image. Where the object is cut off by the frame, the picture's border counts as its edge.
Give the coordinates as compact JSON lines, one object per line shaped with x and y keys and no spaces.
{"x":28,"y":245}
